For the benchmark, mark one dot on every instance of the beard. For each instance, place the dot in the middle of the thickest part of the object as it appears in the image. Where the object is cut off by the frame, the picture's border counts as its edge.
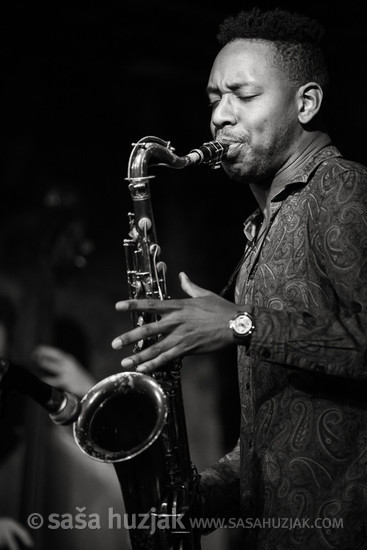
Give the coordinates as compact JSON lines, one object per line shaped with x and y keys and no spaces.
{"x":250,"y":165}
{"x":250,"y":162}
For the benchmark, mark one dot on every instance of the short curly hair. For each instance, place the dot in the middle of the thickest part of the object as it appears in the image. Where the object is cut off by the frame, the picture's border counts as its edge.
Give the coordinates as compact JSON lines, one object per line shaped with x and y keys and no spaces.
{"x":297,"y":39}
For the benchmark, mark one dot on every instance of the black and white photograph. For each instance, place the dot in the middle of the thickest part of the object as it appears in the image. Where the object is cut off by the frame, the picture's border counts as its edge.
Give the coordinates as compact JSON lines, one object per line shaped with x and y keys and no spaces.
{"x":183,"y":275}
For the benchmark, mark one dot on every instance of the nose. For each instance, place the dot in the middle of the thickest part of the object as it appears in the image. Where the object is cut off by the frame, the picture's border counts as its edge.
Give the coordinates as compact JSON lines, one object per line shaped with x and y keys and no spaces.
{"x":223,"y":113}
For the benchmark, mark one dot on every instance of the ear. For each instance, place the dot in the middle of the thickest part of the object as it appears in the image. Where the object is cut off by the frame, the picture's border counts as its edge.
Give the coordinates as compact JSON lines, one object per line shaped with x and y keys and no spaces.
{"x":310,"y":99}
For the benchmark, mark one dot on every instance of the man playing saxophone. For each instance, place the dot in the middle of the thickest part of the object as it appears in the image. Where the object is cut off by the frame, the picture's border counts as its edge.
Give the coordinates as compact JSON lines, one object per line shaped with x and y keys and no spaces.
{"x":299,"y":317}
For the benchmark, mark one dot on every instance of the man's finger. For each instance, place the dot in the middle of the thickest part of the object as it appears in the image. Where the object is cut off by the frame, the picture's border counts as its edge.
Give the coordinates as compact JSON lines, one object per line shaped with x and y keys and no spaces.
{"x":139,"y":333}
{"x":146,"y":305}
{"x":157,"y":351}
{"x":164,"y":358}
{"x":48,"y":352}
{"x":191,"y":288}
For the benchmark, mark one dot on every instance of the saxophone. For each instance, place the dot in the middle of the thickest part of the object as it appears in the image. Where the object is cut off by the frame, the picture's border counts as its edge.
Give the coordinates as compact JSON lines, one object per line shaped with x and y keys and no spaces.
{"x":137,"y":421}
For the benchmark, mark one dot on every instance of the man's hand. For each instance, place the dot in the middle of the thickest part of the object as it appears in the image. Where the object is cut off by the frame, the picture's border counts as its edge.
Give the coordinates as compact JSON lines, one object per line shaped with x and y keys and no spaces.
{"x":13,"y":535}
{"x":198,"y":324}
{"x":62,"y":370}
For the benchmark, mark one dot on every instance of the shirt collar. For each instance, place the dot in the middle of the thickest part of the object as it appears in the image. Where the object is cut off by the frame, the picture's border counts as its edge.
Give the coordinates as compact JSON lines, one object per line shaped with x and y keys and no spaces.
{"x":301,"y":176}
{"x":304,"y":173}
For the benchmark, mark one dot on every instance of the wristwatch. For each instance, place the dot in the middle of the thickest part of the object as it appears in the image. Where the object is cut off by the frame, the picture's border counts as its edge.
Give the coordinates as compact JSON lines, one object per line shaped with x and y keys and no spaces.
{"x":242,"y":325}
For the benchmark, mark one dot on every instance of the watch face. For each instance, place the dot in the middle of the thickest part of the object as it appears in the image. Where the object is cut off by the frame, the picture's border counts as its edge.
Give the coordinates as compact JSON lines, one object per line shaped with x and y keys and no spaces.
{"x":243,"y":324}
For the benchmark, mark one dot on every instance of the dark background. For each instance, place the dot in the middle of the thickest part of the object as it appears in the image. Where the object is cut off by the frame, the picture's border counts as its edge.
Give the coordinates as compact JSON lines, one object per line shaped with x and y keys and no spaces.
{"x":80,"y":82}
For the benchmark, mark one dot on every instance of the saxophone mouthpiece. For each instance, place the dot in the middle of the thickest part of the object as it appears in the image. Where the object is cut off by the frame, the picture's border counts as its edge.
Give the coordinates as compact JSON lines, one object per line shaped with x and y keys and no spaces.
{"x":211,"y":153}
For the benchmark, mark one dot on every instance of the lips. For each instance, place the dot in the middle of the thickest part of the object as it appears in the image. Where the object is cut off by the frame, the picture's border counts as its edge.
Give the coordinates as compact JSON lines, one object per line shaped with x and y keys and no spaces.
{"x":226,"y":140}
{"x":231,"y":140}
{"x":233,"y":148}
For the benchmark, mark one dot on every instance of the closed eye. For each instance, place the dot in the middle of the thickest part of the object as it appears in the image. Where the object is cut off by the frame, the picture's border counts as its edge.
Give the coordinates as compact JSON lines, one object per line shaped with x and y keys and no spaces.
{"x":247,"y":98}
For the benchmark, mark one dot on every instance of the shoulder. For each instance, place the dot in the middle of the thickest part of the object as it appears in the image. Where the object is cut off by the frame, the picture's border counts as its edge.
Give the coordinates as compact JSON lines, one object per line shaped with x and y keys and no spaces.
{"x":339,"y":179}
{"x":338,"y":168}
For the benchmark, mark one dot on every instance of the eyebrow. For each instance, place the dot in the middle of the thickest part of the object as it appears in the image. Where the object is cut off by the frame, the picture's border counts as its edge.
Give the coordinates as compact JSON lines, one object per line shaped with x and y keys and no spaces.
{"x":233,"y":87}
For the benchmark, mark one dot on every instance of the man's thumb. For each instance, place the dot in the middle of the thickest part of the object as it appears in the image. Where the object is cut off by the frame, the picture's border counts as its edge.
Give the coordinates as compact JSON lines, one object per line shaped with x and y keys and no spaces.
{"x":190,"y":288}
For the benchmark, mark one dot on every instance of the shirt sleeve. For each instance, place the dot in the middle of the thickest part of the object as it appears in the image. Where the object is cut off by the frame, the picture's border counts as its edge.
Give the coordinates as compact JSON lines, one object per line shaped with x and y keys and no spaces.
{"x":334,"y":342}
{"x":219,"y":487}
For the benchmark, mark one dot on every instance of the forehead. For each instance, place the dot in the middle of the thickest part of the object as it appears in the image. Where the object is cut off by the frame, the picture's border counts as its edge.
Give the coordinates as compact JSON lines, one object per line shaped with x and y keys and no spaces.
{"x":250,"y":61}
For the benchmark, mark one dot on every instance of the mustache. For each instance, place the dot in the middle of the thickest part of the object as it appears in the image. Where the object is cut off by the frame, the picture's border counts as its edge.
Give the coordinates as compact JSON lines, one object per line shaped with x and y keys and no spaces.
{"x":230,"y":137}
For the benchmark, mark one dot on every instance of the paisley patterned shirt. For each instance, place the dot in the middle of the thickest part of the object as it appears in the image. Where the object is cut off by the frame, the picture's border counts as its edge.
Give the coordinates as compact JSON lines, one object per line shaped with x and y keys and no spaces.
{"x":302,"y":452}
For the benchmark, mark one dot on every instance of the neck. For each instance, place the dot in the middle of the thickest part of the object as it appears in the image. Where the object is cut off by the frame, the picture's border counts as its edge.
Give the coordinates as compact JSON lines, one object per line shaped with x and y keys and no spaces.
{"x":311,"y":143}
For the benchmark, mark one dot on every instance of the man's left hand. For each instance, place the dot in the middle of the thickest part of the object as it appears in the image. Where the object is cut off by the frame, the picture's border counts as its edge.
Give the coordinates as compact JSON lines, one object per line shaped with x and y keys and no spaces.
{"x":198,"y":324}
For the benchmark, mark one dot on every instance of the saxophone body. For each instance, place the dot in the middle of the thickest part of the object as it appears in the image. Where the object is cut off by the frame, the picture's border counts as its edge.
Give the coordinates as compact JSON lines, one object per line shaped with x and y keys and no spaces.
{"x":137,"y":421}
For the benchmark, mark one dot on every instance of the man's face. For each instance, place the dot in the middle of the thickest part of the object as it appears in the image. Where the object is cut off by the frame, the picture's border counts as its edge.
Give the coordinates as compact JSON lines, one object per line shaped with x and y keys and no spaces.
{"x":254,"y":109}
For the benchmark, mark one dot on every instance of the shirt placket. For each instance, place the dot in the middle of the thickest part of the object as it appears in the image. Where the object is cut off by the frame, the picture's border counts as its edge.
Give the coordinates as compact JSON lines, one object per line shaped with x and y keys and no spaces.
{"x":245,"y":295}
{"x":255,"y":243}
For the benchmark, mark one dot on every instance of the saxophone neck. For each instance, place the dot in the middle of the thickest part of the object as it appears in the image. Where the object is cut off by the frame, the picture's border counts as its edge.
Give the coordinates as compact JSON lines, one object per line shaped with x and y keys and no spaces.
{"x":149,"y":151}
{"x":153,"y":148}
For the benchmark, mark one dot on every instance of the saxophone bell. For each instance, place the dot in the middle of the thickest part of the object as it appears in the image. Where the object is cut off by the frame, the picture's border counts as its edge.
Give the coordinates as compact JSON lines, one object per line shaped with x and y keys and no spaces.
{"x":121,"y":417}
